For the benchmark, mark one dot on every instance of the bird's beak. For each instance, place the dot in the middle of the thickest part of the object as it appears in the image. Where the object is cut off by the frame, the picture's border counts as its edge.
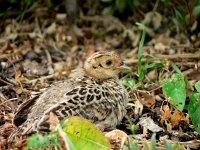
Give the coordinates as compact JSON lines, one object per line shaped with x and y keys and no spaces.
{"x":123,"y":67}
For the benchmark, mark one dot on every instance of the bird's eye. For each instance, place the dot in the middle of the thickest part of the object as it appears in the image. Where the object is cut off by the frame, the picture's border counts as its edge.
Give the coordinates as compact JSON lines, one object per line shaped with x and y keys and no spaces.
{"x":109,"y":62}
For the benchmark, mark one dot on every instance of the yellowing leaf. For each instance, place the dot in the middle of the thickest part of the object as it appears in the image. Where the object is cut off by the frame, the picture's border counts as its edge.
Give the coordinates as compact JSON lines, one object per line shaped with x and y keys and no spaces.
{"x":84,"y":135}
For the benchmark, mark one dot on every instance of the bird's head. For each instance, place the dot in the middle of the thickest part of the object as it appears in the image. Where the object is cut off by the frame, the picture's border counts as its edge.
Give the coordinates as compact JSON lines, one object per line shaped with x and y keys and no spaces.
{"x":104,"y":65}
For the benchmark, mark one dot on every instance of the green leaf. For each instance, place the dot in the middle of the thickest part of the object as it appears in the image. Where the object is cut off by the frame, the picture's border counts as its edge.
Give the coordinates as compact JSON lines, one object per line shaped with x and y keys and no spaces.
{"x":153,"y":65}
{"x":197,"y":86}
{"x":125,"y":147}
{"x":130,"y":83}
{"x":194,"y":110}
{"x":168,"y":145}
{"x":176,"y":69}
{"x":41,"y":141}
{"x":84,"y":135}
{"x":153,"y":142}
{"x":133,"y":146}
{"x":174,"y":89}
{"x":38,"y":141}
{"x":132,"y":126}
{"x":28,"y":2}
{"x":108,"y":11}
{"x":177,"y":147}
{"x":196,"y":10}
{"x":141,"y":44}
{"x":179,"y":16}
{"x":120,"y":5}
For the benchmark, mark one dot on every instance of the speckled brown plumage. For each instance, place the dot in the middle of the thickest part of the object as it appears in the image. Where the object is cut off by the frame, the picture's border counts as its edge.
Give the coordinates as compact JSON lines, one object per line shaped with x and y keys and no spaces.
{"x":92,"y":92}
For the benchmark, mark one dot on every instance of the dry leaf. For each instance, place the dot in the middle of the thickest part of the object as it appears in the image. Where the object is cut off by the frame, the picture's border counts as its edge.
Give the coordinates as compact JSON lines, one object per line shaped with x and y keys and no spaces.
{"x":19,"y":90}
{"x":148,"y":123}
{"x":166,"y":113}
{"x":117,"y":137}
{"x":161,"y":47}
{"x":178,"y":116}
{"x":51,"y":29}
{"x":149,"y":100}
{"x":138,"y":107}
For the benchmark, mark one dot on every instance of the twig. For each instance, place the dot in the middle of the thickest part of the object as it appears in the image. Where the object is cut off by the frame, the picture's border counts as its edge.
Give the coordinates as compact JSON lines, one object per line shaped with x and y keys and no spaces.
{"x":188,"y":72}
{"x":12,"y":81}
{"x":5,"y":81}
{"x":10,"y":54}
{"x":161,"y":57}
{"x":182,"y":56}
{"x":40,"y":78}
{"x":12,"y":99}
{"x":2,"y":98}
{"x":4,"y":87}
{"x":43,"y":78}
{"x":15,"y":74}
{"x":50,"y":69}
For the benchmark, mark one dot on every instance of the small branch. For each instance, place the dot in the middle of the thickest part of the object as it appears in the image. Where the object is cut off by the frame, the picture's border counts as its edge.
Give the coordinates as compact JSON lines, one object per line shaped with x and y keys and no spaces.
{"x":12,"y":99}
{"x":43,"y":78}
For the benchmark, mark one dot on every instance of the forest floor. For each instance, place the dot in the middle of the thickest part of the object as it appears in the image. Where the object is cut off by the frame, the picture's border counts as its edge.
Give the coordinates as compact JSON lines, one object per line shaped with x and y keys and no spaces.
{"x":44,"y":47}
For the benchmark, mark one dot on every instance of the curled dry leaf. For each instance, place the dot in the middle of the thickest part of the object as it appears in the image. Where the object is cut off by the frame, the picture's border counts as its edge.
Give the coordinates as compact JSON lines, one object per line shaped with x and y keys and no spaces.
{"x":178,"y":116}
{"x":138,"y":107}
{"x":19,"y":76}
{"x":166,"y":113}
{"x":117,"y":138}
{"x":175,"y":116}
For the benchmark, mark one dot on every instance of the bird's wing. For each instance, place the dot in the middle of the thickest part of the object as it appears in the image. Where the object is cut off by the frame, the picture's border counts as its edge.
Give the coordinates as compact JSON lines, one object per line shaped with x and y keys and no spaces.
{"x":22,"y":112}
{"x":85,"y":101}
{"x":34,"y":112}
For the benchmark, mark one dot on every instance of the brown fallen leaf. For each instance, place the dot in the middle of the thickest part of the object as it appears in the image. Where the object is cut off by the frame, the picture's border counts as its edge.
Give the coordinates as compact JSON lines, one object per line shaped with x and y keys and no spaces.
{"x":166,"y":113}
{"x":19,"y":76}
{"x":178,"y":116}
{"x":149,"y":100}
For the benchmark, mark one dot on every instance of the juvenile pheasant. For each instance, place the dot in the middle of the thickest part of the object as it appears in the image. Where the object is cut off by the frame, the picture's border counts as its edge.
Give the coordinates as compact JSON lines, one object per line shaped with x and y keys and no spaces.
{"x":92,"y":92}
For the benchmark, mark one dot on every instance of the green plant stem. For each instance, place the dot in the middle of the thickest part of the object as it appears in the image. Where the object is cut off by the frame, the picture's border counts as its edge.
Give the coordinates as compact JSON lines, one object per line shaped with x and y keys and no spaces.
{"x":156,"y":5}
{"x":141,"y":44}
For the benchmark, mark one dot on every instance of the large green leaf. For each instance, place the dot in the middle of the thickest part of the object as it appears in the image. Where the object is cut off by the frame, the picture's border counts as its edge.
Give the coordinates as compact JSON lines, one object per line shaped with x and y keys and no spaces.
{"x":174,"y":89}
{"x":197,"y":86}
{"x":194,"y":110}
{"x":84,"y":135}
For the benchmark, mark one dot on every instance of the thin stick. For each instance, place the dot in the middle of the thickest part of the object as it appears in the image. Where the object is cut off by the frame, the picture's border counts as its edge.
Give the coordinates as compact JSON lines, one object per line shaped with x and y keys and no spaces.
{"x":161,"y":57}
{"x":12,"y":99}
